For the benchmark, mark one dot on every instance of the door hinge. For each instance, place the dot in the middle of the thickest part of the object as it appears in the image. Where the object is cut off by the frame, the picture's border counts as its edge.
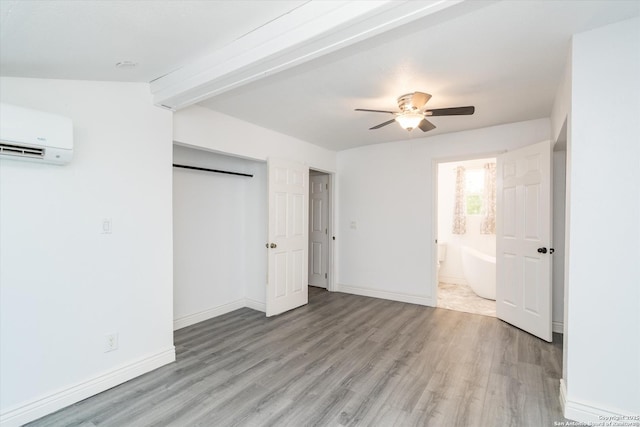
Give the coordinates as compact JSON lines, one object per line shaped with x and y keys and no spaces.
{"x":326,"y":186}
{"x":326,"y":231}
{"x":325,"y":275}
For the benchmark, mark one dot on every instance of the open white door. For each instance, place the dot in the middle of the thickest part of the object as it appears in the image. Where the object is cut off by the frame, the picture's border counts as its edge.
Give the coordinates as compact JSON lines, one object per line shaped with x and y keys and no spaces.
{"x":523,"y":236}
{"x":288,"y":236}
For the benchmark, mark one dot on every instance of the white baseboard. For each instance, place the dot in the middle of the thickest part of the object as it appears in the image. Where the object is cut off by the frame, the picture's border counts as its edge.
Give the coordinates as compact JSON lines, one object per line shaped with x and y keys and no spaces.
{"x":210,"y":313}
{"x":557,"y":327}
{"x":563,"y":394}
{"x":590,"y":414}
{"x":40,"y":407}
{"x":255,"y":305}
{"x":393,"y":296}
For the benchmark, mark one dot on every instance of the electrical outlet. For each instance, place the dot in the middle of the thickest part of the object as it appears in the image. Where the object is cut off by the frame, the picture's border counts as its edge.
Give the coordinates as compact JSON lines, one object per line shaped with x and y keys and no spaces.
{"x":110,"y":342}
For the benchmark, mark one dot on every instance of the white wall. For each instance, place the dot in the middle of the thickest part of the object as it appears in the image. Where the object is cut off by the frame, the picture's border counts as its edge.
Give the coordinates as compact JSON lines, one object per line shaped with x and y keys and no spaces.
{"x":561,"y":108}
{"x":255,"y":235}
{"x":603,"y":355}
{"x":64,"y":285}
{"x":451,"y":268}
{"x":214,"y":217}
{"x":387,"y":190}
{"x":200,"y":127}
{"x":559,"y":200}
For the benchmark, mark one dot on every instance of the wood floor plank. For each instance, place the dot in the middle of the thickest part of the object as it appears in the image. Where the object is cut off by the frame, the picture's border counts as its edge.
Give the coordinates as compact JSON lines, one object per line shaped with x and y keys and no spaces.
{"x":341,"y":360}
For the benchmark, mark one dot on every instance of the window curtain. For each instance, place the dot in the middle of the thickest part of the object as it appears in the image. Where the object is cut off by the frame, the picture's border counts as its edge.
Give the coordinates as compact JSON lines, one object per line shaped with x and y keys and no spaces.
{"x":459,"y":214}
{"x":488,"y":225}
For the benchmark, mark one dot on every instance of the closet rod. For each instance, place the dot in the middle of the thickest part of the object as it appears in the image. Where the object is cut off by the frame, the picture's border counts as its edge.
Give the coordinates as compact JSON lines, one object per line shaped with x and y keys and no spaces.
{"x":211,"y":170}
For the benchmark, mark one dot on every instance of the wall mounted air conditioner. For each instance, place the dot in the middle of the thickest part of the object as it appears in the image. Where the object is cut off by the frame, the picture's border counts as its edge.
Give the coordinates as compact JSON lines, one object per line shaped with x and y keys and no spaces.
{"x":37,"y":136}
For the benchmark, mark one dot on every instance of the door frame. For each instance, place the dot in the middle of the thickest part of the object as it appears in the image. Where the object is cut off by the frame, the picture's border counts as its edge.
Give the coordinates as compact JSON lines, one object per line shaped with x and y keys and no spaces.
{"x":435,"y":164}
{"x":331,"y":277}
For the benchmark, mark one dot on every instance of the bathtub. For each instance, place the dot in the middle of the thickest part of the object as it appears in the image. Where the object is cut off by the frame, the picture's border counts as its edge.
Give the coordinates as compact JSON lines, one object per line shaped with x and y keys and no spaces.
{"x":480,"y":272}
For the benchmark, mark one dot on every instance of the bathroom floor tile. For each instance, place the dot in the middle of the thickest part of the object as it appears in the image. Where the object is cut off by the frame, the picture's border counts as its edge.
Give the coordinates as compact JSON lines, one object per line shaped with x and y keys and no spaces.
{"x":461,"y":298}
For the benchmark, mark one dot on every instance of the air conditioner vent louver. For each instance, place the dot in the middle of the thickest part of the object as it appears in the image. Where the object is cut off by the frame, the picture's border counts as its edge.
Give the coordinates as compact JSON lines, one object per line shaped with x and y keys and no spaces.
{"x":21,"y":151}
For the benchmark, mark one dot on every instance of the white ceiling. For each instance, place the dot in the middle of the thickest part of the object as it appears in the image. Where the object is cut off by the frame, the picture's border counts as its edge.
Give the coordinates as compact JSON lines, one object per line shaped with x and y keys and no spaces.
{"x":506,"y":58}
{"x":84,"y":39}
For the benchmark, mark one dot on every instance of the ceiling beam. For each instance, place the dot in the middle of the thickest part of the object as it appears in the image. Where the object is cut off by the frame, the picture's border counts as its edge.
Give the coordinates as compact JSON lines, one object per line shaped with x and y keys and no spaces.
{"x":314,"y":29}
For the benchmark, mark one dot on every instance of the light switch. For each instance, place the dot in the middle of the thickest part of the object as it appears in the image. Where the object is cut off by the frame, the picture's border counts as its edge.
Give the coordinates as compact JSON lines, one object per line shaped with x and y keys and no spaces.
{"x":106,"y":226}
{"x":354,"y":225}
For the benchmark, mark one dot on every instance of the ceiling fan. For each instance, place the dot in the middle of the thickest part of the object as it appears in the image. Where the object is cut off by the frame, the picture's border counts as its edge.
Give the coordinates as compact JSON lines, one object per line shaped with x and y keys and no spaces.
{"x":413,"y":114}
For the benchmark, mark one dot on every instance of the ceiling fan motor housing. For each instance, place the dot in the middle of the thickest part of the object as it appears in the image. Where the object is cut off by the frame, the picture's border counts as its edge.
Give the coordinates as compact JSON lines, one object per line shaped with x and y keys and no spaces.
{"x":413,"y":101}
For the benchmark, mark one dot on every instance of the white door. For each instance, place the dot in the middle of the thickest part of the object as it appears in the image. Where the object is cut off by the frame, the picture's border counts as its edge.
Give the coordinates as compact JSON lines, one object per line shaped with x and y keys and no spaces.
{"x":288,"y":236}
{"x":318,"y":229}
{"x":523,"y":239}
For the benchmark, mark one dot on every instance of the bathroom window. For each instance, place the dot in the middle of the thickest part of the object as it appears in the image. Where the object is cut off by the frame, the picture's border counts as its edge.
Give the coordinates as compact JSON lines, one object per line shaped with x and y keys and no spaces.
{"x":474,"y":187}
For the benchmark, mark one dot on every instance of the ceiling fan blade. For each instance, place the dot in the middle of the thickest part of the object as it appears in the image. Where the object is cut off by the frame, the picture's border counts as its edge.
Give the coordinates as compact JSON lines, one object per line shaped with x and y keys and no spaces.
{"x":388,"y":122}
{"x":455,"y":111}
{"x":425,"y":125}
{"x":419,"y":99}
{"x":374,"y":111}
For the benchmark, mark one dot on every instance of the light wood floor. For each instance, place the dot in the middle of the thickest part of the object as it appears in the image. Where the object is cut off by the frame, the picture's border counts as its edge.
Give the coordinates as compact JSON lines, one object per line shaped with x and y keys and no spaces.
{"x":341,"y":360}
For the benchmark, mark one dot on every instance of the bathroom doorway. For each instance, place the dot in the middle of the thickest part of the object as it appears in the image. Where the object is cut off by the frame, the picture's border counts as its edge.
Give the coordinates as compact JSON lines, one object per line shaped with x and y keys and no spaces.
{"x":466,"y":251}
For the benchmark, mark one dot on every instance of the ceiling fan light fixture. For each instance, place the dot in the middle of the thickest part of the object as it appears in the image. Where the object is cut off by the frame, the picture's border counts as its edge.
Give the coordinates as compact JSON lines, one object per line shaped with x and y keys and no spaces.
{"x":409,"y":121}
{"x":414,"y":115}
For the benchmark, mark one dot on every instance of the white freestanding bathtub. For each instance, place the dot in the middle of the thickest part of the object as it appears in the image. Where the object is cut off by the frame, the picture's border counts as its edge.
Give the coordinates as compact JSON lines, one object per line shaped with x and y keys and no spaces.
{"x":480,"y":271}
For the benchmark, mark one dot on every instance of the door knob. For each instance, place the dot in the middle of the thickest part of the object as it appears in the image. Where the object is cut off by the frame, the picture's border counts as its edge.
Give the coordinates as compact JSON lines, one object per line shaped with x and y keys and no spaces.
{"x":273,"y":246}
{"x":542,"y":250}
